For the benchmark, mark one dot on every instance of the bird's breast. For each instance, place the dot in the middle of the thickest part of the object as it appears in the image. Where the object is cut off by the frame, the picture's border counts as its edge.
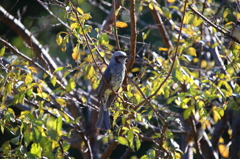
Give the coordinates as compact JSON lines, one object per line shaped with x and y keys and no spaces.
{"x":117,"y":77}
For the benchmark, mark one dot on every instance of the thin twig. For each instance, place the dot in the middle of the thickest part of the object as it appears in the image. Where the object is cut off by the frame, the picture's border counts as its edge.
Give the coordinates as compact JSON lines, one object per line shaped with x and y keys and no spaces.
{"x":114,"y":24}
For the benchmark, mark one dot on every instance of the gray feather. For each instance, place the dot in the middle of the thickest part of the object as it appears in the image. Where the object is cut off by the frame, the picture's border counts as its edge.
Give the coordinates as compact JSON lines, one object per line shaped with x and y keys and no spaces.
{"x":102,"y":85}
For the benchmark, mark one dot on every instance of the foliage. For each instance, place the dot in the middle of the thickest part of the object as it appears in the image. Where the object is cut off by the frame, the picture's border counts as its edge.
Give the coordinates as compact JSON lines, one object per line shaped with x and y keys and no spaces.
{"x":48,"y":110}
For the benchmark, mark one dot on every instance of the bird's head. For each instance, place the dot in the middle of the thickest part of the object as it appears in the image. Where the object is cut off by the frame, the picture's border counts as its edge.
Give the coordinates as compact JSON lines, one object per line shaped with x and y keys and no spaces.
{"x":119,"y":57}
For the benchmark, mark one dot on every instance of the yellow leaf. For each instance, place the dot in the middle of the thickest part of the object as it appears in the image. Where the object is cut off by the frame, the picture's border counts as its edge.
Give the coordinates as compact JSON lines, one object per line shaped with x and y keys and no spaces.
{"x":76,"y":53}
{"x":238,"y":16}
{"x":162,"y":49}
{"x":61,"y":101}
{"x":59,"y":39}
{"x":121,"y":24}
{"x":150,"y":5}
{"x":223,"y":150}
{"x":136,"y":69}
{"x":191,"y":51}
{"x":229,"y":23}
{"x":171,"y":1}
{"x":64,"y":48}
{"x":33,"y":69}
{"x":74,"y":25}
{"x":80,"y":11}
{"x":204,"y":64}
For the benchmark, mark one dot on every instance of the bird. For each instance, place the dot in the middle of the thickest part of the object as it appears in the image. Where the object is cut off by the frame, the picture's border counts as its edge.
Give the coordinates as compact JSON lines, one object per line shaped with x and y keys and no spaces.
{"x":108,"y":87}
{"x":236,"y":30}
{"x":190,"y":136}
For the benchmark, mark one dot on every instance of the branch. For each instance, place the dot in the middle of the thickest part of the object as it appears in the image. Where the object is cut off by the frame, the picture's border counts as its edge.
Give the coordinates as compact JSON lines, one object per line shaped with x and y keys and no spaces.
{"x":110,"y":19}
{"x":23,"y":32}
{"x":161,"y":28}
{"x":133,"y":38}
{"x":115,"y":27}
{"x":214,"y":25}
{"x":109,"y":149}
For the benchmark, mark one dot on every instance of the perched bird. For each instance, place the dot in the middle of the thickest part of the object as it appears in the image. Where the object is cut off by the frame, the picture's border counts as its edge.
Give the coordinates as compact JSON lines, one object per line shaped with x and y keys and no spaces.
{"x":110,"y":83}
{"x":236,"y":30}
{"x":190,"y":136}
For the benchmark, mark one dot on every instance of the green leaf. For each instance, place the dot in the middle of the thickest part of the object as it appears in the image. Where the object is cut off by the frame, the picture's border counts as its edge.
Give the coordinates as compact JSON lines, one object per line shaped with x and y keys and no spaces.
{"x":187,"y":112}
{"x":28,"y":78}
{"x":59,"y":69}
{"x":176,"y":74}
{"x":37,"y":134}
{"x":54,"y":80}
{"x":144,"y":35}
{"x":53,"y":134}
{"x":130,"y":137}
{"x":151,"y":153}
{"x":144,"y":157}
{"x":2,"y":51}
{"x":15,"y":140}
{"x":226,"y":13}
{"x":138,"y":143}
{"x":122,"y":141}
{"x":58,"y":124}
{"x":103,"y":38}
{"x":71,"y":85}
{"x":36,"y":149}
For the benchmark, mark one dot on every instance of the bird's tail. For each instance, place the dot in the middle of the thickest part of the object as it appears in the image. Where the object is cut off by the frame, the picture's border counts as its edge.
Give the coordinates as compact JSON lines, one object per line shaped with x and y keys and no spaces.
{"x":103,"y":121}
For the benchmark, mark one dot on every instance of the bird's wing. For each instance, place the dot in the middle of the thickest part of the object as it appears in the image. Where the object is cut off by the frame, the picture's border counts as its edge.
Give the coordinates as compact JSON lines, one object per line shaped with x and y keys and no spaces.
{"x":102,"y":85}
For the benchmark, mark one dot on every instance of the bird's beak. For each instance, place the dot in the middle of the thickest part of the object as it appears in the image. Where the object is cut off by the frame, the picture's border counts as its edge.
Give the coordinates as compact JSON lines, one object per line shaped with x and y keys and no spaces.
{"x":128,"y":56}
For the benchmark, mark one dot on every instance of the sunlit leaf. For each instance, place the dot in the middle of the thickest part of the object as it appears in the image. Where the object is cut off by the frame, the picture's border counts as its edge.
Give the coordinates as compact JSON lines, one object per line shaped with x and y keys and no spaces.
{"x":2,"y":51}
{"x":138,"y":144}
{"x":130,"y":137}
{"x":162,"y":49}
{"x":36,"y":149}
{"x":188,"y":112}
{"x":71,"y":85}
{"x":191,"y":51}
{"x":121,"y":24}
{"x":223,"y":150}
{"x":61,"y":101}
{"x":80,"y":10}
{"x":122,"y":141}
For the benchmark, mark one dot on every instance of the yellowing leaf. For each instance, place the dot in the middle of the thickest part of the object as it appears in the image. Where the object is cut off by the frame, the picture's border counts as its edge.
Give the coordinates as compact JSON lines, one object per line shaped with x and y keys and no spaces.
{"x":191,"y":51}
{"x":61,"y":101}
{"x":223,"y":150}
{"x":121,"y":24}
{"x":74,"y":25}
{"x":162,"y":49}
{"x":150,"y":6}
{"x":171,"y":1}
{"x":122,"y":140}
{"x":204,"y":64}
{"x":80,"y":10}
{"x":2,"y":51}
{"x":76,"y":53}
{"x":229,"y":23}
{"x":87,"y":16}
{"x":64,"y":48}
{"x":59,"y":39}
{"x":33,"y":69}
{"x":136,"y":69}
{"x":226,"y":12}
